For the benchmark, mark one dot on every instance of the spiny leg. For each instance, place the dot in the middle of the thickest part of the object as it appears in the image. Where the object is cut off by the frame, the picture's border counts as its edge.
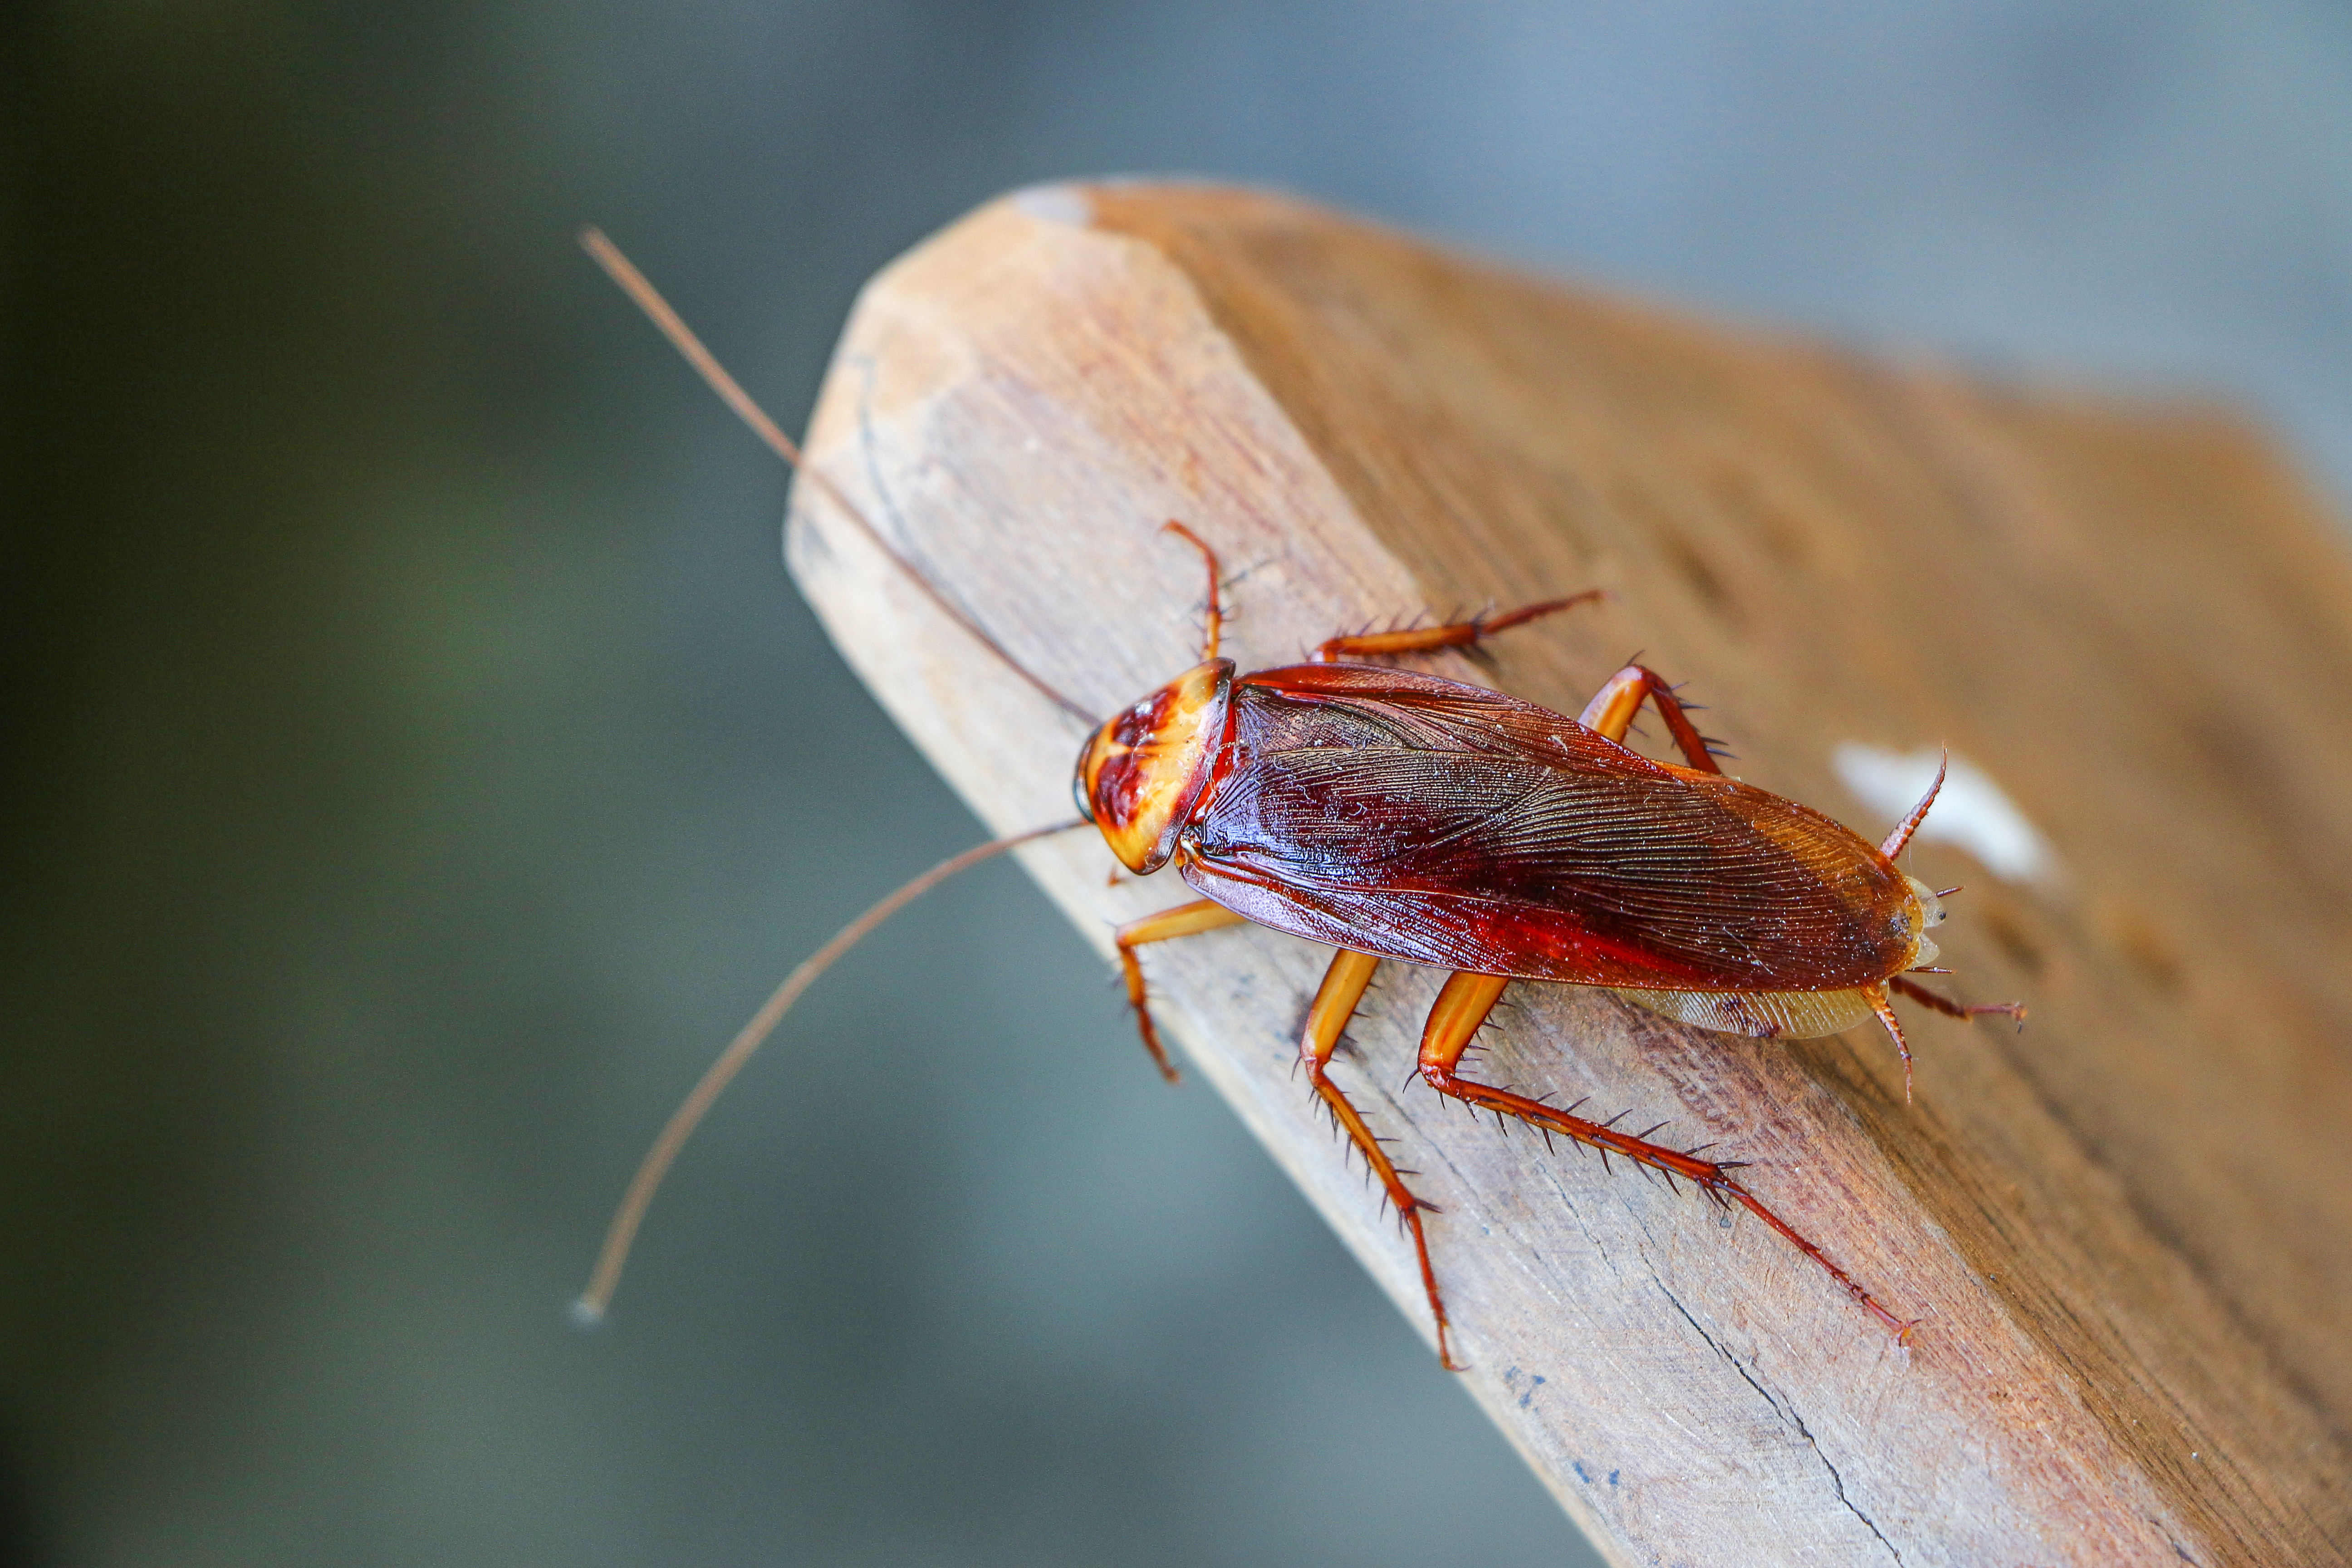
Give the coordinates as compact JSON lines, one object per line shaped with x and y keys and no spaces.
{"x":1610,"y":712}
{"x":1184,"y":920}
{"x":1213,"y":619}
{"x":1335,"y":1004}
{"x":1876,"y":996}
{"x":1458,"y":634}
{"x":1461,"y":1011}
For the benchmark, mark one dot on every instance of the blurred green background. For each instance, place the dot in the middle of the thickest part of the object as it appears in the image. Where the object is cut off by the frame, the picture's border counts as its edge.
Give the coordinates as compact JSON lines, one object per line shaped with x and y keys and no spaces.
{"x":417,"y":762}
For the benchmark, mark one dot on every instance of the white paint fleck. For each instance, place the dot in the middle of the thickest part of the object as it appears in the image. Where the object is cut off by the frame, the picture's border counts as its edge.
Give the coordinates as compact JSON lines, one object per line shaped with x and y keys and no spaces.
{"x":1060,"y":202}
{"x":1972,"y":812}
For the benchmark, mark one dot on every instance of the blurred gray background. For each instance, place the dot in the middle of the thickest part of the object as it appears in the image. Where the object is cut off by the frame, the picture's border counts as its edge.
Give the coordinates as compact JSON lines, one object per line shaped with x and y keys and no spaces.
{"x":417,"y":762}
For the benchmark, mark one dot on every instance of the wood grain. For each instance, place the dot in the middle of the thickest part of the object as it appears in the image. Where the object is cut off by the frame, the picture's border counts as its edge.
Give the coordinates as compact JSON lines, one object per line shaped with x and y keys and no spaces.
{"x":2126,"y":1229}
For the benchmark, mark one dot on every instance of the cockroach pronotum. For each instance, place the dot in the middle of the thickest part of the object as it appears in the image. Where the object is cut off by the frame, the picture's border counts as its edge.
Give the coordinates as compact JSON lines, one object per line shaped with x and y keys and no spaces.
{"x":1395,"y":815}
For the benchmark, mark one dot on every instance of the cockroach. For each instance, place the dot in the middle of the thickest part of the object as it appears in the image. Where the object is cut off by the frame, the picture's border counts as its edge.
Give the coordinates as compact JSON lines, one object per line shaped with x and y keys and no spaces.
{"x":1398,"y":816}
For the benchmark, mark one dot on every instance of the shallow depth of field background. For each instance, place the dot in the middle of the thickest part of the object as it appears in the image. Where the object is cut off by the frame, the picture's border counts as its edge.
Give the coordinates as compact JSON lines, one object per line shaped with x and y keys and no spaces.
{"x":417,"y":762}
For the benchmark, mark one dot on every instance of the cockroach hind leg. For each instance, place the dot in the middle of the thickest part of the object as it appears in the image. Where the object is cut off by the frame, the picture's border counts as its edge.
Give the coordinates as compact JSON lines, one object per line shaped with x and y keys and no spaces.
{"x":1462,"y":1005}
{"x":1964,"y":1011}
{"x":1713,"y":1177}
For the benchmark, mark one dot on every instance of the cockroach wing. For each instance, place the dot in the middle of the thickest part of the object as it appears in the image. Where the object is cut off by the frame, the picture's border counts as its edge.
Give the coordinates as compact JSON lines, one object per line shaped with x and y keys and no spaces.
{"x":1417,"y":818}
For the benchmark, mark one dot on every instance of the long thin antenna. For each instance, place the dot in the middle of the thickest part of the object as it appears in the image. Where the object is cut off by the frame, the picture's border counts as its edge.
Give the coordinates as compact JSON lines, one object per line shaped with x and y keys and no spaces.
{"x":633,"y":283}
{"x":623,"y":1231}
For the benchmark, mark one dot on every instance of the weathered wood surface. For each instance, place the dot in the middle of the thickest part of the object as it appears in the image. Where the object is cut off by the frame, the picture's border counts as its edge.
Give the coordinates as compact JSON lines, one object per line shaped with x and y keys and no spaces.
{"x":2125,"y":1230}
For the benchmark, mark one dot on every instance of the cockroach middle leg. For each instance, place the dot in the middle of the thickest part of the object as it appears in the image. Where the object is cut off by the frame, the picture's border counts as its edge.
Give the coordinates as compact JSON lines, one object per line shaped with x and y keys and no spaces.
{"x":1335,"y":1003}
{"x":1457,"y":634}
{"x":1611,"y":713}
{"x":1184,"y":920}
{"x":1461,"y":1011}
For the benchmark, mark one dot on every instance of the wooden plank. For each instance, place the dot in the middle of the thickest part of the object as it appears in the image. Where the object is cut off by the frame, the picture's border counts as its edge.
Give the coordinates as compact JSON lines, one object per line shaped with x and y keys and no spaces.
{"x":2125,"y":1229}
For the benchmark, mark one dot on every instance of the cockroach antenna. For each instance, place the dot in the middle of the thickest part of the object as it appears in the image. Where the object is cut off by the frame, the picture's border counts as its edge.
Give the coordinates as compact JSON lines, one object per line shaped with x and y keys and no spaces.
{"x":633,"y":283}
{"x":618,"y":1237}
{"x":622,"y":1233}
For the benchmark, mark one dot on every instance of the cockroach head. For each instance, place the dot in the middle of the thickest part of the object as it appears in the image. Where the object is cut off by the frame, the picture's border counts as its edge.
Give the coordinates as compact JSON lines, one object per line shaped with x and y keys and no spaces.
{"x":1143,"y":772}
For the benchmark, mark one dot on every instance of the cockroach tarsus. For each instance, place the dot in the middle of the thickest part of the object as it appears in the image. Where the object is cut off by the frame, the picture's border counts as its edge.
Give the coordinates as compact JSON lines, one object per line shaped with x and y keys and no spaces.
{"x":1399,"y":816}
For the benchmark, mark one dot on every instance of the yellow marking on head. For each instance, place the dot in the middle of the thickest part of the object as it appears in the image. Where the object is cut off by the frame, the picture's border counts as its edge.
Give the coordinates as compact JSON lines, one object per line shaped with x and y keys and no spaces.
{"x":1144,"y":770}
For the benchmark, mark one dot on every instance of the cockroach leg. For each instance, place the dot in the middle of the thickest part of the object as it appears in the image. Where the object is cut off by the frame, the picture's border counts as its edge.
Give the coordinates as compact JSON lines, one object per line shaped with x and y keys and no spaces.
{"x":1457,"y":634}
{"x":1184,"y":920}
{"x":1335,"y":1003}
{"x":1212,"y":617}
{"x":1876,"y":996}
{"x":1951,"y":1009}
{"x":1461,"y":1009}
{"x":1610,"y":712}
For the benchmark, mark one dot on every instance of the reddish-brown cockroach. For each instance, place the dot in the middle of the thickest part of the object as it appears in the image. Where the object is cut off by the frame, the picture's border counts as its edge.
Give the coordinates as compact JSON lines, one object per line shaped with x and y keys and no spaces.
{"x":1397,"y":815}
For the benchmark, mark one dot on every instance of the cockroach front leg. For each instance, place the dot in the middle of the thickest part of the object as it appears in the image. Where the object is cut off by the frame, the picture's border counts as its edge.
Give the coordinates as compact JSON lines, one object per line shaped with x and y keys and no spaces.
{"x":1213,"y":618}
{"x":1335,"y":1004}
{"x":1611,"y":713}
{"x":1457,"y":634}
{"x":1184,"y":920}
{"x":1461,"y":1012}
